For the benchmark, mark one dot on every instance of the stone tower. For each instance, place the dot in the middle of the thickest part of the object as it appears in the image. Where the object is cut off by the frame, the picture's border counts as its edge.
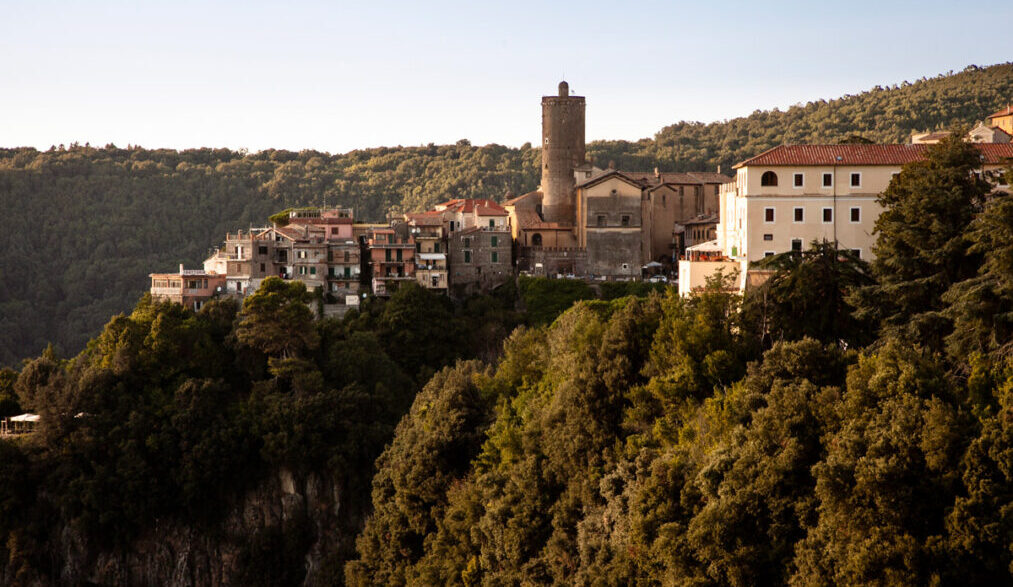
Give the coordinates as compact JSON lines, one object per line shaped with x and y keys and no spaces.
{"x":562,"y":151}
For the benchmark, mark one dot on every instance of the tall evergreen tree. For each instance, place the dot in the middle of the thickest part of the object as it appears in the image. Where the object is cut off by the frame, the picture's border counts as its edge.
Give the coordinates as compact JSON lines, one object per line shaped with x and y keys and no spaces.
{"x":923,"y":247}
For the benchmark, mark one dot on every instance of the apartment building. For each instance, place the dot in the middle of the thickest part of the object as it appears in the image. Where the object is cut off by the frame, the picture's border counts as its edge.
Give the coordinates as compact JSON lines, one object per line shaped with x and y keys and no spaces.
{"x":190,"y":287}
{"x":464,"y":246}
{"x":787,"y":197}
{"x":392,"y":258}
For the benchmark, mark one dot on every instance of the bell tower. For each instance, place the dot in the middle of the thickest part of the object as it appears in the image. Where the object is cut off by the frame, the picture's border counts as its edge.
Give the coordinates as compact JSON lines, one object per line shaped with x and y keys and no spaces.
{"x":562,"y":152}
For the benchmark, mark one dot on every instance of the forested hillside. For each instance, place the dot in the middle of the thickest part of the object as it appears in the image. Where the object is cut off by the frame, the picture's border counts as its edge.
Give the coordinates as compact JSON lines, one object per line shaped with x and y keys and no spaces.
{"x":82,"y":226}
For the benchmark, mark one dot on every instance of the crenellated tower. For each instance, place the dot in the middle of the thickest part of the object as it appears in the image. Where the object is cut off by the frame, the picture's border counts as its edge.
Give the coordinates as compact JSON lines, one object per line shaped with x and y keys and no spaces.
{"x":562,"y":152}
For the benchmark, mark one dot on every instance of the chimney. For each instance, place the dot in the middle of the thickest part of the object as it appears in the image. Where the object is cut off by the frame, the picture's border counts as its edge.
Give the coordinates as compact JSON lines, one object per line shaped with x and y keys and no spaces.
{"x":719,"y":168}
{"x":181,"y":269}
{"x":657,"y":174}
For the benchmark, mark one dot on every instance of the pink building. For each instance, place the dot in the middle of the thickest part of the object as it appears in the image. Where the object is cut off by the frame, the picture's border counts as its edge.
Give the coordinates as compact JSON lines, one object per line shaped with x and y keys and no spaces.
{"x":392,"y":257}
{"x":190,"y":287}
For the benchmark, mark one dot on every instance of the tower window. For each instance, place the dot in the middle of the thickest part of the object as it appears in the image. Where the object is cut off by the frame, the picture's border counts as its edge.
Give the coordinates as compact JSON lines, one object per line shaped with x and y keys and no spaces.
{"x":768,"y":215}
{"x":828,"y":180}
{"x":798,"y":180}
{"x":626,"y":221}
{"x":799,"y":214}
{"x":769,"y":178}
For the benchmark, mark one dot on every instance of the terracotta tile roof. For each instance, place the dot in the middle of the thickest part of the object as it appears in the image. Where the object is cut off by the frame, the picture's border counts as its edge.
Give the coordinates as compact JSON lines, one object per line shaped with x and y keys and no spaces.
{"x":1007,"y":111}
{"x":609,"y":175}
{"x":494,"y":210}
{"x":676,"y":178}
{"x":710,"y":176}
{"x":427,"y":218}
{"x":523,"y":197}
{"x":468,"y":205}
{"x":862,"y":154}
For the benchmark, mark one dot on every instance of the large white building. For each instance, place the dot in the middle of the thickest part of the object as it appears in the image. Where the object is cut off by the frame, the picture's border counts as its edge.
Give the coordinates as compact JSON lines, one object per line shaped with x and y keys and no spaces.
{"x":789,"y":196}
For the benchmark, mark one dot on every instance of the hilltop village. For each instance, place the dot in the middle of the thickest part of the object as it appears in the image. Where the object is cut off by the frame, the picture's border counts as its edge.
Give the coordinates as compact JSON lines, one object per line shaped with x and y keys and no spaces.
{"x":583,"y":222}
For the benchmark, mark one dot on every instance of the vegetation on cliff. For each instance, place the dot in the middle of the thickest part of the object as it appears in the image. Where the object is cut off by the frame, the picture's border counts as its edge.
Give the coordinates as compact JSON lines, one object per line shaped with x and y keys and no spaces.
{"x":83,"y":226}
{"x":171,"y":414}
{"x":720,"y":440}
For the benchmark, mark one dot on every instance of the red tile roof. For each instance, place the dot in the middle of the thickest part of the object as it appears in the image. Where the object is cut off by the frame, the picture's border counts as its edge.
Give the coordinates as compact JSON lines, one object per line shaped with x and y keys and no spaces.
{"x":862,"y":154}
{"x":1007,"y":111}
{"x":468,"y":205}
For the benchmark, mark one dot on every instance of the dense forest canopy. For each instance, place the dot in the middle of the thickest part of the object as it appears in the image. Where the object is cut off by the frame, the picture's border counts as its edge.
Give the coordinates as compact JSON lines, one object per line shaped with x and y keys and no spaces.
{"x":83,"y":226}
{"x":808,"y":433}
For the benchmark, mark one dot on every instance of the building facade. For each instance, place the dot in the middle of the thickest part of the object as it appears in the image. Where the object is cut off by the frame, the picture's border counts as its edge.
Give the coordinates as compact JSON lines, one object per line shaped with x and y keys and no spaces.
{"x":785,"y":198}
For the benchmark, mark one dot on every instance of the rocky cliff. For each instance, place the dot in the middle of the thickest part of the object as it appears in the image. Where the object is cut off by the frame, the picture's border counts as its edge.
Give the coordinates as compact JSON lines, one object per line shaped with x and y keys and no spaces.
{"x":290,"y":529}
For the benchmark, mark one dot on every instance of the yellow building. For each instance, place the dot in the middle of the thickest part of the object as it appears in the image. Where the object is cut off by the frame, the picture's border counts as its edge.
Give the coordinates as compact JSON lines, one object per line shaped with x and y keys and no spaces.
{"x":1003,"y":119}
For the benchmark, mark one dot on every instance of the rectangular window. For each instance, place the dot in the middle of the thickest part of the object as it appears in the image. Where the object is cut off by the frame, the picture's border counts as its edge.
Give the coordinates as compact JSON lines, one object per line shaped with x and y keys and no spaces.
{"x":828,"y":180}
{"x":261,"y":250}
{"x":856,"y":214}
{"x":346,"y":256}
{"x":828,"y":215}
{"x":768,"y":215}
{"x":601,"y":220}
{"x":400,"y":253}
{"x":857,"y":253}
{"x":856,"y":180}
{"x":348,"y":272}
{"x":494,"y":241}
{"x":626,"y":221}
{"x":262,"y":268}
{"x":796,"y":244}
{"x":768,"y":237}
{"x":798,"y":180}
{"x":386,"y":255}
{"x":467,"y":256}
{"x":799,"y":215}
{"x":768,"y":253}
{"x":495,"y":257}
{"x":436,"y":247}
{"x":467,"y":243}
{"x":492,"y":223}
{"x":313,"y":270}
{"x":331,"y":272}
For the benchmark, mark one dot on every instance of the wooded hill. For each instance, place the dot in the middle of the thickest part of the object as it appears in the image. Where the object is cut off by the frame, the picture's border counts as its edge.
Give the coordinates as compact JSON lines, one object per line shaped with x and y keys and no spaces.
{"x":83,"y":226}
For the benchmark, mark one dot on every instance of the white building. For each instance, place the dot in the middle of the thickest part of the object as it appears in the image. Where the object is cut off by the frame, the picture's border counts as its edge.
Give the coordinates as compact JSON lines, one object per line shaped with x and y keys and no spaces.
{"x":789,"y":196}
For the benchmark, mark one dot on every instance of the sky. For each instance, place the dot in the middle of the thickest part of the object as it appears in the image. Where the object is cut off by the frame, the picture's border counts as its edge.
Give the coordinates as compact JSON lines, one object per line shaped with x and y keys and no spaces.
{"x":336,"y":76}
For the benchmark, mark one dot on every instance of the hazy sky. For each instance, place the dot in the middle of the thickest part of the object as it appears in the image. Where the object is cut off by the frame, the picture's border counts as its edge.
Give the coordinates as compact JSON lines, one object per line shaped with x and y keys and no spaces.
{"x":336,"y":76}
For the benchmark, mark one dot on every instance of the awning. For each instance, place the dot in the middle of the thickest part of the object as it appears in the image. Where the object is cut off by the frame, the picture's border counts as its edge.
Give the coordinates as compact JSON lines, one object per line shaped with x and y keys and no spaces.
{"x":709,"y":246}
{"x":25,"y":418}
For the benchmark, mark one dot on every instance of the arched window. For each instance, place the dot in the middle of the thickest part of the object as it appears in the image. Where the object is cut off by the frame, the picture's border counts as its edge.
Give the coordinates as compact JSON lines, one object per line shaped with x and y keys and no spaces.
{"x":768,"y":178}
{"x":536,"y":240}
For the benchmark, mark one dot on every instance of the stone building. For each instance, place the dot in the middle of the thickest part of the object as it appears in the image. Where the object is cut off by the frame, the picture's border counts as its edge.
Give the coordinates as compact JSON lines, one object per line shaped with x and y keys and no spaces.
{"x":480,"y":259}
{"x":466,"y":243}
{"x":586,"y":221}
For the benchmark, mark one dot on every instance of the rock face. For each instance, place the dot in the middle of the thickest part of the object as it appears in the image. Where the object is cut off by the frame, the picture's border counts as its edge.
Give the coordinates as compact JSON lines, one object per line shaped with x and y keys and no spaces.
{"x":286,"y":521}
